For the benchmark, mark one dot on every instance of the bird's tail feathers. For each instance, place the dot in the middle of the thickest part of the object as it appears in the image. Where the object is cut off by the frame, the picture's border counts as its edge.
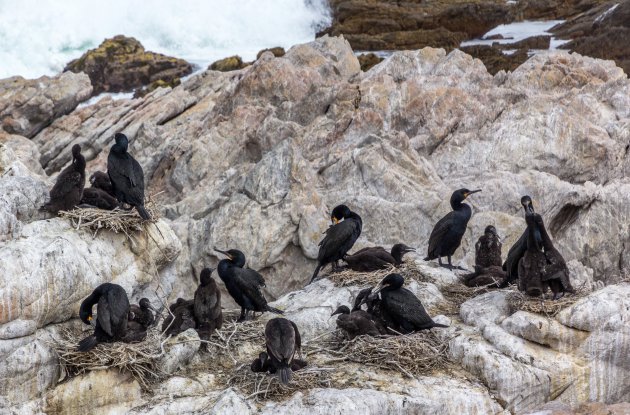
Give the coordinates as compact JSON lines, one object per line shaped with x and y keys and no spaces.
{"x":87,"y":344}
{"x":439,"y":325}
{"x":284,"y":373}
{"x":274,"y":310}
{"x":315,"y":273}
{"x":427,"y":258}
{"x":143,"y":212}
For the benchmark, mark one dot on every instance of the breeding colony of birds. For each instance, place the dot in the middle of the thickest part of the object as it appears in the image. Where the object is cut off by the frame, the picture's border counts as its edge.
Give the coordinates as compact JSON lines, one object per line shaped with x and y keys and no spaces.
{"x":384,"y":310}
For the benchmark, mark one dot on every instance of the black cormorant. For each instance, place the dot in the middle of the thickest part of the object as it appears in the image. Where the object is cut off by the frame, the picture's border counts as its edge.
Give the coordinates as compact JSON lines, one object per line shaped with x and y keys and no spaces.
{"x":355,"y":323}
{"x":403,"y":306}
{"x":207,"y":305}
{"x":281,"y":337}
{"x":555,"y":272}
{"x":142,"y":313}
{"x":243,"y":284}
{"x":126,"y":176}
{"x":182,"y":318}
{"x":100,"y":180}
{"x":448,"y":232}
{"x":531,"y":266}
{"x":516,"y":252}
{"x":339,"y":238}
{"x":376,"y":258}
{"x":487,"y":260}
{"x":382,"y":320}
{"x":68,"y":189}
{"x":111,"y":315}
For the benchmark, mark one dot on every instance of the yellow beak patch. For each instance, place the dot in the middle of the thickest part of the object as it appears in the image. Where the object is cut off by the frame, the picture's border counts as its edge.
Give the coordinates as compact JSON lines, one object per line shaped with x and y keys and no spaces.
{"x":89,"y":318}
{"x":335,"y":220}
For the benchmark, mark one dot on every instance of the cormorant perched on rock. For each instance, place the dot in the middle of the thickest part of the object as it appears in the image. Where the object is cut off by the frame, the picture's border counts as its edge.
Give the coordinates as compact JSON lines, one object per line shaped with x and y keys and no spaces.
{"x":111,"y":318}
{"x":182,"y":317}
{"x":487,"y":260}
{"x":555,"y":273}
{"x":281,"y":337}
{"x":376,"y":258}
{"x":126,"y":176}
{"x":448,"y":232}
{"x":68,"y":189}
{"x":516,"y":252}
{"x":142,"y":313}
{"x":355,"y":323}
{"x":207,"y":305}
{"x":403,"y":306}
{"x":100,"y":180}
{"x":339,"y":238}
{"x":531,"y":266}
{"x":243,"y":284}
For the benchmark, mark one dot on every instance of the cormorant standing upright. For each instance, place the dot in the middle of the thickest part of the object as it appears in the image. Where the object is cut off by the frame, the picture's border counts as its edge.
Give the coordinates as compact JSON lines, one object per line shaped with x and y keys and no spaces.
{"x":448,"y":232}
{"x":126,"y":176}
{"x":281,"y":337}
{"x":555,"y":273}
{"x":68,"y":189}
{"x":403,"y":306}
{"x":516,"y":252}
{"x":207,"y":306}
{"x":375,"y":258}
{"x":111,"y":319}
{"x":340,"y":237}
{"x":487,"y":260}
{"x":243,"y":284}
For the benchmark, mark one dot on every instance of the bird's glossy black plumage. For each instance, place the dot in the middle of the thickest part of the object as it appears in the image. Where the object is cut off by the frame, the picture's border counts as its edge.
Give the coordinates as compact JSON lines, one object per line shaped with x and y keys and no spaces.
{"x":448,"y":232}
{"x":355,"y":323}
{"x":126,"y":176}
{"x":403,"y":306}
{"x":207,"y":305}
{"x":111,"y":318}
{"x":68,"y":189}
{"x":531,"y":266}
{"x":182,"y":318}
{"x":487,"y":261}
{"x":555,"y":273}
{"x":243,"y":284}
{"x":375,"y":258}
{"x":340,"y":237}
{"x":516,"y":252}
{"x":281,"y":338}
{"x":100,"y":180}
{"x":382,"y":320}
{"x":142,"y":313}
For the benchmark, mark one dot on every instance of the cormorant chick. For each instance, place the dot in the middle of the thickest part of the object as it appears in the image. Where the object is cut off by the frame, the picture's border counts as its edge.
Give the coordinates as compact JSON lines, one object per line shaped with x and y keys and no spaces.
{"x":448,"y":232}
{"x":376,"y":258}
{"x":142,"y":313}
{"x":282,"y":339}
{"x":532,"y":264}
{"x":126,"y":176}
{"x":403,"y":306}
{"x":555,"y":272}
{"x":68,"y":189}
{"x":356,"y":323}
{"x":99,"y":199}
{"x":516,"y":252}
{"x":207,"y":305}
{"x":243,"y":284}
{"x":339,"y":238}
{"x":382,"y":320}
{"x":262,"y":364}
{"x":100,"y":180}
{"x":182,"y":319}
{"x":487,"y":260}
{"x":111,"y":319}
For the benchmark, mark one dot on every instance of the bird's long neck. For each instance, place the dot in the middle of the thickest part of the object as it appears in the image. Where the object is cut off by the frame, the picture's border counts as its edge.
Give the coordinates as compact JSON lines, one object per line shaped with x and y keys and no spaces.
{"x":532,"y":243}
{"x":223,"y":268}
{"x":79,"y":164}
{"x":119,"y":149}
{"x":546,"y":240}
{"x":356,"y":217}
{"x":88,"y":303}
{"x":397,"y":254}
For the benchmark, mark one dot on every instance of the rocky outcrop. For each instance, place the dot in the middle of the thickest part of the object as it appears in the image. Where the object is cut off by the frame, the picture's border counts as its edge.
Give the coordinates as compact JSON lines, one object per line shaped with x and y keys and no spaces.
{"x":231,"y":63}
{"x":29,"y":105}
{"x":121,"y":64}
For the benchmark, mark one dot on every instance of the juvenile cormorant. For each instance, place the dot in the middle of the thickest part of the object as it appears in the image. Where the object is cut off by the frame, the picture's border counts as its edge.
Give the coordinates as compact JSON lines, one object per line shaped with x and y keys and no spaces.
{"x":531,"y":266}
{"x":68,"y":189}
{"x":487,"y":260}
{"x":281,"y":338}
{"x":100,"y":180}
{"x":355,"y":323}
{"x":243,"y":284}
{"x":375,"y":258}
{"x":555,"y":273}
{"x":182,"y":319}
{"x":516,"y":252}
{"x":403,"y":306}
{"x":111,"y":315}
{"x":382,"y":320}
{"x":98,"y":198}
{"x":207,"y":305}
{"x":339,"y":237}
{"x":262,"y":364}
{"x":448,"y":232}
{"x":142,"y":313}
{"x":126,"y":176}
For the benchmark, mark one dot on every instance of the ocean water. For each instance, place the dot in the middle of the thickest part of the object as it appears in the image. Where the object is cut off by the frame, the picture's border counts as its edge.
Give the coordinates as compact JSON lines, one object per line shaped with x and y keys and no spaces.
{"x":38,"y":37}
{"x":514,"y":32}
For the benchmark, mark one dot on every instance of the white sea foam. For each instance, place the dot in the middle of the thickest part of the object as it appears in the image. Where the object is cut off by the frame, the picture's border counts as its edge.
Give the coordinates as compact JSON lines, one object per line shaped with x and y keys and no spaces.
{"x":38,"y":37}
{"x":515,"y":32}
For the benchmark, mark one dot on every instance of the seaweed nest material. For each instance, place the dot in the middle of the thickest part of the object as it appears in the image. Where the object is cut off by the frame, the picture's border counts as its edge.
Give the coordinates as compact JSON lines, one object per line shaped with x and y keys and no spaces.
{"x":117,"y":220}
{"x":265,"y":386}
{"x":141,"y":360}
{"x":412,"y":354}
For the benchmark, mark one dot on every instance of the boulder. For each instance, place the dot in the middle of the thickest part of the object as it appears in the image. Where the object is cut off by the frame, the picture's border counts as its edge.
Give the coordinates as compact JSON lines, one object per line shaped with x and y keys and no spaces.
{"x":231,"y":63}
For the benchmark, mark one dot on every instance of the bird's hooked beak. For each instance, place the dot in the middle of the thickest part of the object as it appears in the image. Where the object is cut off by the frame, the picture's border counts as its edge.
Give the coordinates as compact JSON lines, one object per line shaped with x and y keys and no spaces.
{"x":471,"y":192}
{"x":376,"y":290}
{"x":409,"y":249}
{"x":223,"y":252}
{"x":92,"y":321}
{"x":334,"y":220}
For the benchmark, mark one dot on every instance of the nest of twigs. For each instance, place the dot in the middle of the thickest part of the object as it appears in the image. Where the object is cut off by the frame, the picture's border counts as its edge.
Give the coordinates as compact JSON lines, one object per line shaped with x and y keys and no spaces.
{"x":347,"y":277}
{"x":266,"y":386}
{"x":140,"y":360}
{"x":235,"y":342}
{"x":542,"y":306}
{"x":117,"y":220}
{"x":457,"y":294}
{"x":411,"y":355}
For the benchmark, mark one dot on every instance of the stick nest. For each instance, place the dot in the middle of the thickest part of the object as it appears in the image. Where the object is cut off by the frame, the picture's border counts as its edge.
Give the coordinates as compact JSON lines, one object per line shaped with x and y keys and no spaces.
{"x":412,"y":354}
{"x":117,"y":220}
{"x":265,"y":386}
{"x":347,"y":277}
{"x":457,"y":294}
{"x":140,"y":360}
{"x":545,"y":307}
